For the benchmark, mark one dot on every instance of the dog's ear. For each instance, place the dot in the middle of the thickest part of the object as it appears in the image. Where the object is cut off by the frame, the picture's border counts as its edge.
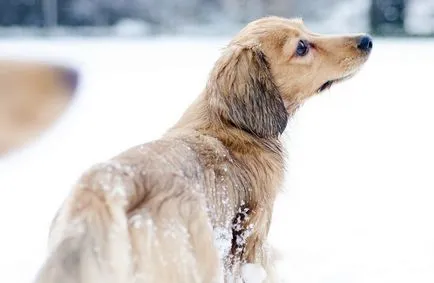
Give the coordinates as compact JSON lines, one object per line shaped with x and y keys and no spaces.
{"x":247,"y":95}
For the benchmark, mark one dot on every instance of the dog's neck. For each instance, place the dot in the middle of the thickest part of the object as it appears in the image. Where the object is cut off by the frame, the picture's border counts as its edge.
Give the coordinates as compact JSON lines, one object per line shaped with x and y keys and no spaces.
{"x":202,"y":117}
{"x":253,"y":154}
{"x":265,"y":156}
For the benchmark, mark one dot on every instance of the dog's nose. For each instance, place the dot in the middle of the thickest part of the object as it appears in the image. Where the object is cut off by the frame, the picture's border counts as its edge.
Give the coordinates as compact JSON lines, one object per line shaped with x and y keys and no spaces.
{"x":69,"y":78}
{"x":365,"y":43}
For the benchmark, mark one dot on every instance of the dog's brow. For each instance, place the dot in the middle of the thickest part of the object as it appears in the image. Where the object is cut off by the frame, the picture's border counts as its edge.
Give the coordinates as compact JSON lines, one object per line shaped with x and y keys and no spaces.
{"x":298,"y":21}
{"x":299,"y":25}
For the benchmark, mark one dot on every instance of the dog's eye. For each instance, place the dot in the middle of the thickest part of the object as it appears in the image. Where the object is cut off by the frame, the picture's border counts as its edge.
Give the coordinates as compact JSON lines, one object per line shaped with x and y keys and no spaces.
{"x":302,"y":48}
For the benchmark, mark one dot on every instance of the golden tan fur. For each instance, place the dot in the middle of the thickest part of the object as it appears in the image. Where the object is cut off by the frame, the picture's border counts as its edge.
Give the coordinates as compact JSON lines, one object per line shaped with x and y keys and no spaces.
{"x":196,"y":205}
{"x":32,"y":96}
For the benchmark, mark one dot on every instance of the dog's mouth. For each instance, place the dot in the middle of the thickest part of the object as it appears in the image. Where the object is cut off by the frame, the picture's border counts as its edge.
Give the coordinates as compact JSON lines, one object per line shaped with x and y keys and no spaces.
{"x":328,"y":84}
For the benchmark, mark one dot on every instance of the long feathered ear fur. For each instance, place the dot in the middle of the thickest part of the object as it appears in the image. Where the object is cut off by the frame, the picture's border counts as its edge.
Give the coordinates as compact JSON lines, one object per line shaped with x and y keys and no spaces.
{"x":247,"y":97}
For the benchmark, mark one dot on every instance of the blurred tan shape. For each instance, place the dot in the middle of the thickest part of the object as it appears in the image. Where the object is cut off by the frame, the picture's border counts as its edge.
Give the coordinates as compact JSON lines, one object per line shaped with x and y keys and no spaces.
{"x":32,"y":96}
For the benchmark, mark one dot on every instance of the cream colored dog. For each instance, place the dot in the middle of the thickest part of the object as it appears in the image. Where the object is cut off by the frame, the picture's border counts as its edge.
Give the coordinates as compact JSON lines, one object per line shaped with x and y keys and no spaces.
{"x":196,"y":205}
{"x":32,"y":96}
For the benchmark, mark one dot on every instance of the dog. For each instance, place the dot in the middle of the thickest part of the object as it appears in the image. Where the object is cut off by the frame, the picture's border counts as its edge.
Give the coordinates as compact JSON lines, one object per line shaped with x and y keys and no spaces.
{"x":196,"y":205}
{"x":32,"y":96}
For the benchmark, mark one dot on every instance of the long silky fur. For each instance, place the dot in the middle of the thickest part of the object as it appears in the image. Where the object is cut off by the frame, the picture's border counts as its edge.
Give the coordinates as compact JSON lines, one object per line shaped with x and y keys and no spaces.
{"x":196,"y":205}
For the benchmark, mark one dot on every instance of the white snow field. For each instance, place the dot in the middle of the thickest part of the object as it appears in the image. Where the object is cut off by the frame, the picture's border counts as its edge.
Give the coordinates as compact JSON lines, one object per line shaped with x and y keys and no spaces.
{"x":358,"y":202}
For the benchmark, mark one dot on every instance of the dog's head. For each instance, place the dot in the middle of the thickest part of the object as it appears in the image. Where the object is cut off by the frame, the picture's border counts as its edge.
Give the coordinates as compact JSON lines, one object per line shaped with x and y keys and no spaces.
{"x":273,"y":65}
{"x":32,"y":96}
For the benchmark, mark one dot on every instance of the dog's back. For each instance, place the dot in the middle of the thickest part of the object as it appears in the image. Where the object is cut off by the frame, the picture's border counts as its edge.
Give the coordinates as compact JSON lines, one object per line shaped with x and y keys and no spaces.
{"x":164,"y":234}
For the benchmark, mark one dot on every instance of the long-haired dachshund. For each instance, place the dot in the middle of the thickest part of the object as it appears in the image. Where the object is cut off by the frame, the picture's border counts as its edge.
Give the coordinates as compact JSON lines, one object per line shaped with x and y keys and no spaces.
{"x":196,"y":205}
{"x":32,"y":96}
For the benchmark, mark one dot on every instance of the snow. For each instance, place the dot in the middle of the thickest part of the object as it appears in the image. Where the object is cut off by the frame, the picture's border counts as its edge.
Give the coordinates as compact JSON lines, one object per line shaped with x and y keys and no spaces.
{"x":357,"y":204}
{"x":222,"y":241}
{"x":253,"y":273}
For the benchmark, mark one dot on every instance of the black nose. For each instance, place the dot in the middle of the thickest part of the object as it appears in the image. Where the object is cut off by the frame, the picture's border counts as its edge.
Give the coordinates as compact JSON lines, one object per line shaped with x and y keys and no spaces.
{"x":70,"y":78}
{"x":365,"y":43}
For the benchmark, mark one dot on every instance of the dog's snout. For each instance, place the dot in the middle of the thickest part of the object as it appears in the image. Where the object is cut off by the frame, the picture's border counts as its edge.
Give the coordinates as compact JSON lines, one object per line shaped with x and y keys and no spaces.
{"x":70,"y":77}
{"x":364,"y":43}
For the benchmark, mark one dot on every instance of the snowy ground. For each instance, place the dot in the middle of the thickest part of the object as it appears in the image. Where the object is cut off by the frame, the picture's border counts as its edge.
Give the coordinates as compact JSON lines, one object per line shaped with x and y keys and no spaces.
{"x":358,"y":201}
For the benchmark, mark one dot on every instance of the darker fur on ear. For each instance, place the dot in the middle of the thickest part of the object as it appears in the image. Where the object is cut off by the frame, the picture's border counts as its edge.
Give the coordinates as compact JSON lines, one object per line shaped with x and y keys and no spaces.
{"x":251,"y":99}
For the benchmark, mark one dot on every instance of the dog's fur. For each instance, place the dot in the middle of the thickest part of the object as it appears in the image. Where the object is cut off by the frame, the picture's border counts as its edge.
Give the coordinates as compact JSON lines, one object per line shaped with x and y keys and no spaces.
{"x":196,"y":205}
{"x":32,"y":96}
